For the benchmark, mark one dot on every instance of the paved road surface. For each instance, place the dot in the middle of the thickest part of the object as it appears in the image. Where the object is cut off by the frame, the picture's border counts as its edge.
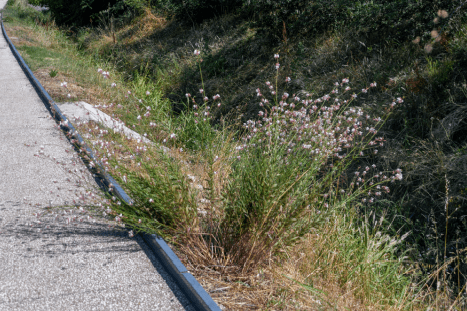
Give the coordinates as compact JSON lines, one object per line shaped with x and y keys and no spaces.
{"x":53,"y":255}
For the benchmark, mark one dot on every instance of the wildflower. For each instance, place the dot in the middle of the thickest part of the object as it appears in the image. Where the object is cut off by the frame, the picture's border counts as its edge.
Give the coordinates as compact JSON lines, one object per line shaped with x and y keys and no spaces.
{"x":217,"y":96}
{"x":151,"y":201}
{"x":205,"y":98}
{"x":398,"y":176}
{"x":278,"y":65}
{"x":129,"y":92}
{"x":201,"y":91}
{"x":219,"y":104}
{"x":139,"y":117}
{"x":196,"y":52}
{"x":288,"y":79}
{"x":63,"y":84}
{"x":188,"y":95}
{"x":113,"y":85}
{"x":173,"y":135}
{"x":354,"y":95}
{"x":443,"y":13}
{"x":345,"y":80}
{"x":181,"y":149}
{"x":68,"y":95}
{"x":139,"y":220}
{"x":130,"y":233}
{"x":373,"y":84}
{"x":148,"y":93}
{"x":276,"y":56}
{"x":400,"y":100}
{"x":364,"y":90}
{"x":347,"y":88}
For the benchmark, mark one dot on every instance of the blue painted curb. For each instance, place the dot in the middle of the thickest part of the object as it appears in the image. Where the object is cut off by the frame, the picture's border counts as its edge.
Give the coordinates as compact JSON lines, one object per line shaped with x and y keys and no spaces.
{"x":200,"y":299}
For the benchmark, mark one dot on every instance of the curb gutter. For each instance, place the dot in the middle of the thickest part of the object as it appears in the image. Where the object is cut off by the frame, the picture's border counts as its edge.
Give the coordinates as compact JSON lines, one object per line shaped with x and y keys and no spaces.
{"x":200,"y":299}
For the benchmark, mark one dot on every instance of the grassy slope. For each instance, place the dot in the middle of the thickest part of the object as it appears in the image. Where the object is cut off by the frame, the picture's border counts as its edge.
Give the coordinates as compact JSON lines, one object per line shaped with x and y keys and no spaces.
{"x":237,"y":60}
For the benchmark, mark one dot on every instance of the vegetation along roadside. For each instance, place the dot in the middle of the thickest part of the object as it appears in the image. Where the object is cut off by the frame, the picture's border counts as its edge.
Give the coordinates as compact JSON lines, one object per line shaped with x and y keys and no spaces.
{"x":297,"y":155}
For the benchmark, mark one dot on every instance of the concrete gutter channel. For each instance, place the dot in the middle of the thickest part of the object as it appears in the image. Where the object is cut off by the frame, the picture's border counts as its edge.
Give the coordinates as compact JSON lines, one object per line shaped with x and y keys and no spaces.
{"x":190,"y":287}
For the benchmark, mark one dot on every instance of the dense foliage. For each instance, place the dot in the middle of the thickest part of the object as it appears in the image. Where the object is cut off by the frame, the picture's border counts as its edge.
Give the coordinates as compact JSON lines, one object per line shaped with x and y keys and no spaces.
{"x":397,"y":20}
{"x":85,"y":12}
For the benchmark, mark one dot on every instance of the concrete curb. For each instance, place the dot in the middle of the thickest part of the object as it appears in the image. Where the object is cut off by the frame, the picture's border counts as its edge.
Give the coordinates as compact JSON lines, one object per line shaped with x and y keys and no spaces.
{"x":200,"y":299}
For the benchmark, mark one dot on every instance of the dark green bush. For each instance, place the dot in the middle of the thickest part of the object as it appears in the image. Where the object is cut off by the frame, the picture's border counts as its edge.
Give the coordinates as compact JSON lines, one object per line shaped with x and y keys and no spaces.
{"x":397,"y":19}
{"x":85,"y":12}
{"x":197,"y":10}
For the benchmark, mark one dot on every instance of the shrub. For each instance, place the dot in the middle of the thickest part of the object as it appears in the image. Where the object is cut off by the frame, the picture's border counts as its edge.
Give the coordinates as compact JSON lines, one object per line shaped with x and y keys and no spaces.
{"x":387,"y":20}
{"x":197,"y":10}
{"x":85,"y":12}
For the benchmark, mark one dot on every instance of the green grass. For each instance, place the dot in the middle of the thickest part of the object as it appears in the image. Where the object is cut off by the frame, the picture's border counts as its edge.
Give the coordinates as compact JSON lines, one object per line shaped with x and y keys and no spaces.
{"x":39,"y":57}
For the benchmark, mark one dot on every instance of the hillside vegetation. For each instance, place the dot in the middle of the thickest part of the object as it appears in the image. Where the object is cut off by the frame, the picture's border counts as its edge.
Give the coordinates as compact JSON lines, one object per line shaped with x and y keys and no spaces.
{"x":316,"y":149}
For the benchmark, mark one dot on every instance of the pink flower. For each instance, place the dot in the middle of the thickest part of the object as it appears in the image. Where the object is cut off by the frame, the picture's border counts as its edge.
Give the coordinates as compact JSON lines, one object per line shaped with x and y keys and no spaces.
{"x":113,"y":85}
{"x":276,"y":56}
{"x":196,"y":52}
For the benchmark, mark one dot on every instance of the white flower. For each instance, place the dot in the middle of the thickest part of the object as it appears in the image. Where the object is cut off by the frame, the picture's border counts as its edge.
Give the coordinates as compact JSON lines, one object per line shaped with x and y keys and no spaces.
{"x":173,"y":135}
{"x":196,"y":52}
{"x":276,"y":56}
{"x":113,"y":85}
{"x":148,"y":93}
{"x":64,"y":84}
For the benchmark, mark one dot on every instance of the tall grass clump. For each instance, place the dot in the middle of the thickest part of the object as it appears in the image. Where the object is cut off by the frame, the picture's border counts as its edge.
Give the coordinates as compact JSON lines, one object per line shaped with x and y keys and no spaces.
{"x":282,"y":176}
